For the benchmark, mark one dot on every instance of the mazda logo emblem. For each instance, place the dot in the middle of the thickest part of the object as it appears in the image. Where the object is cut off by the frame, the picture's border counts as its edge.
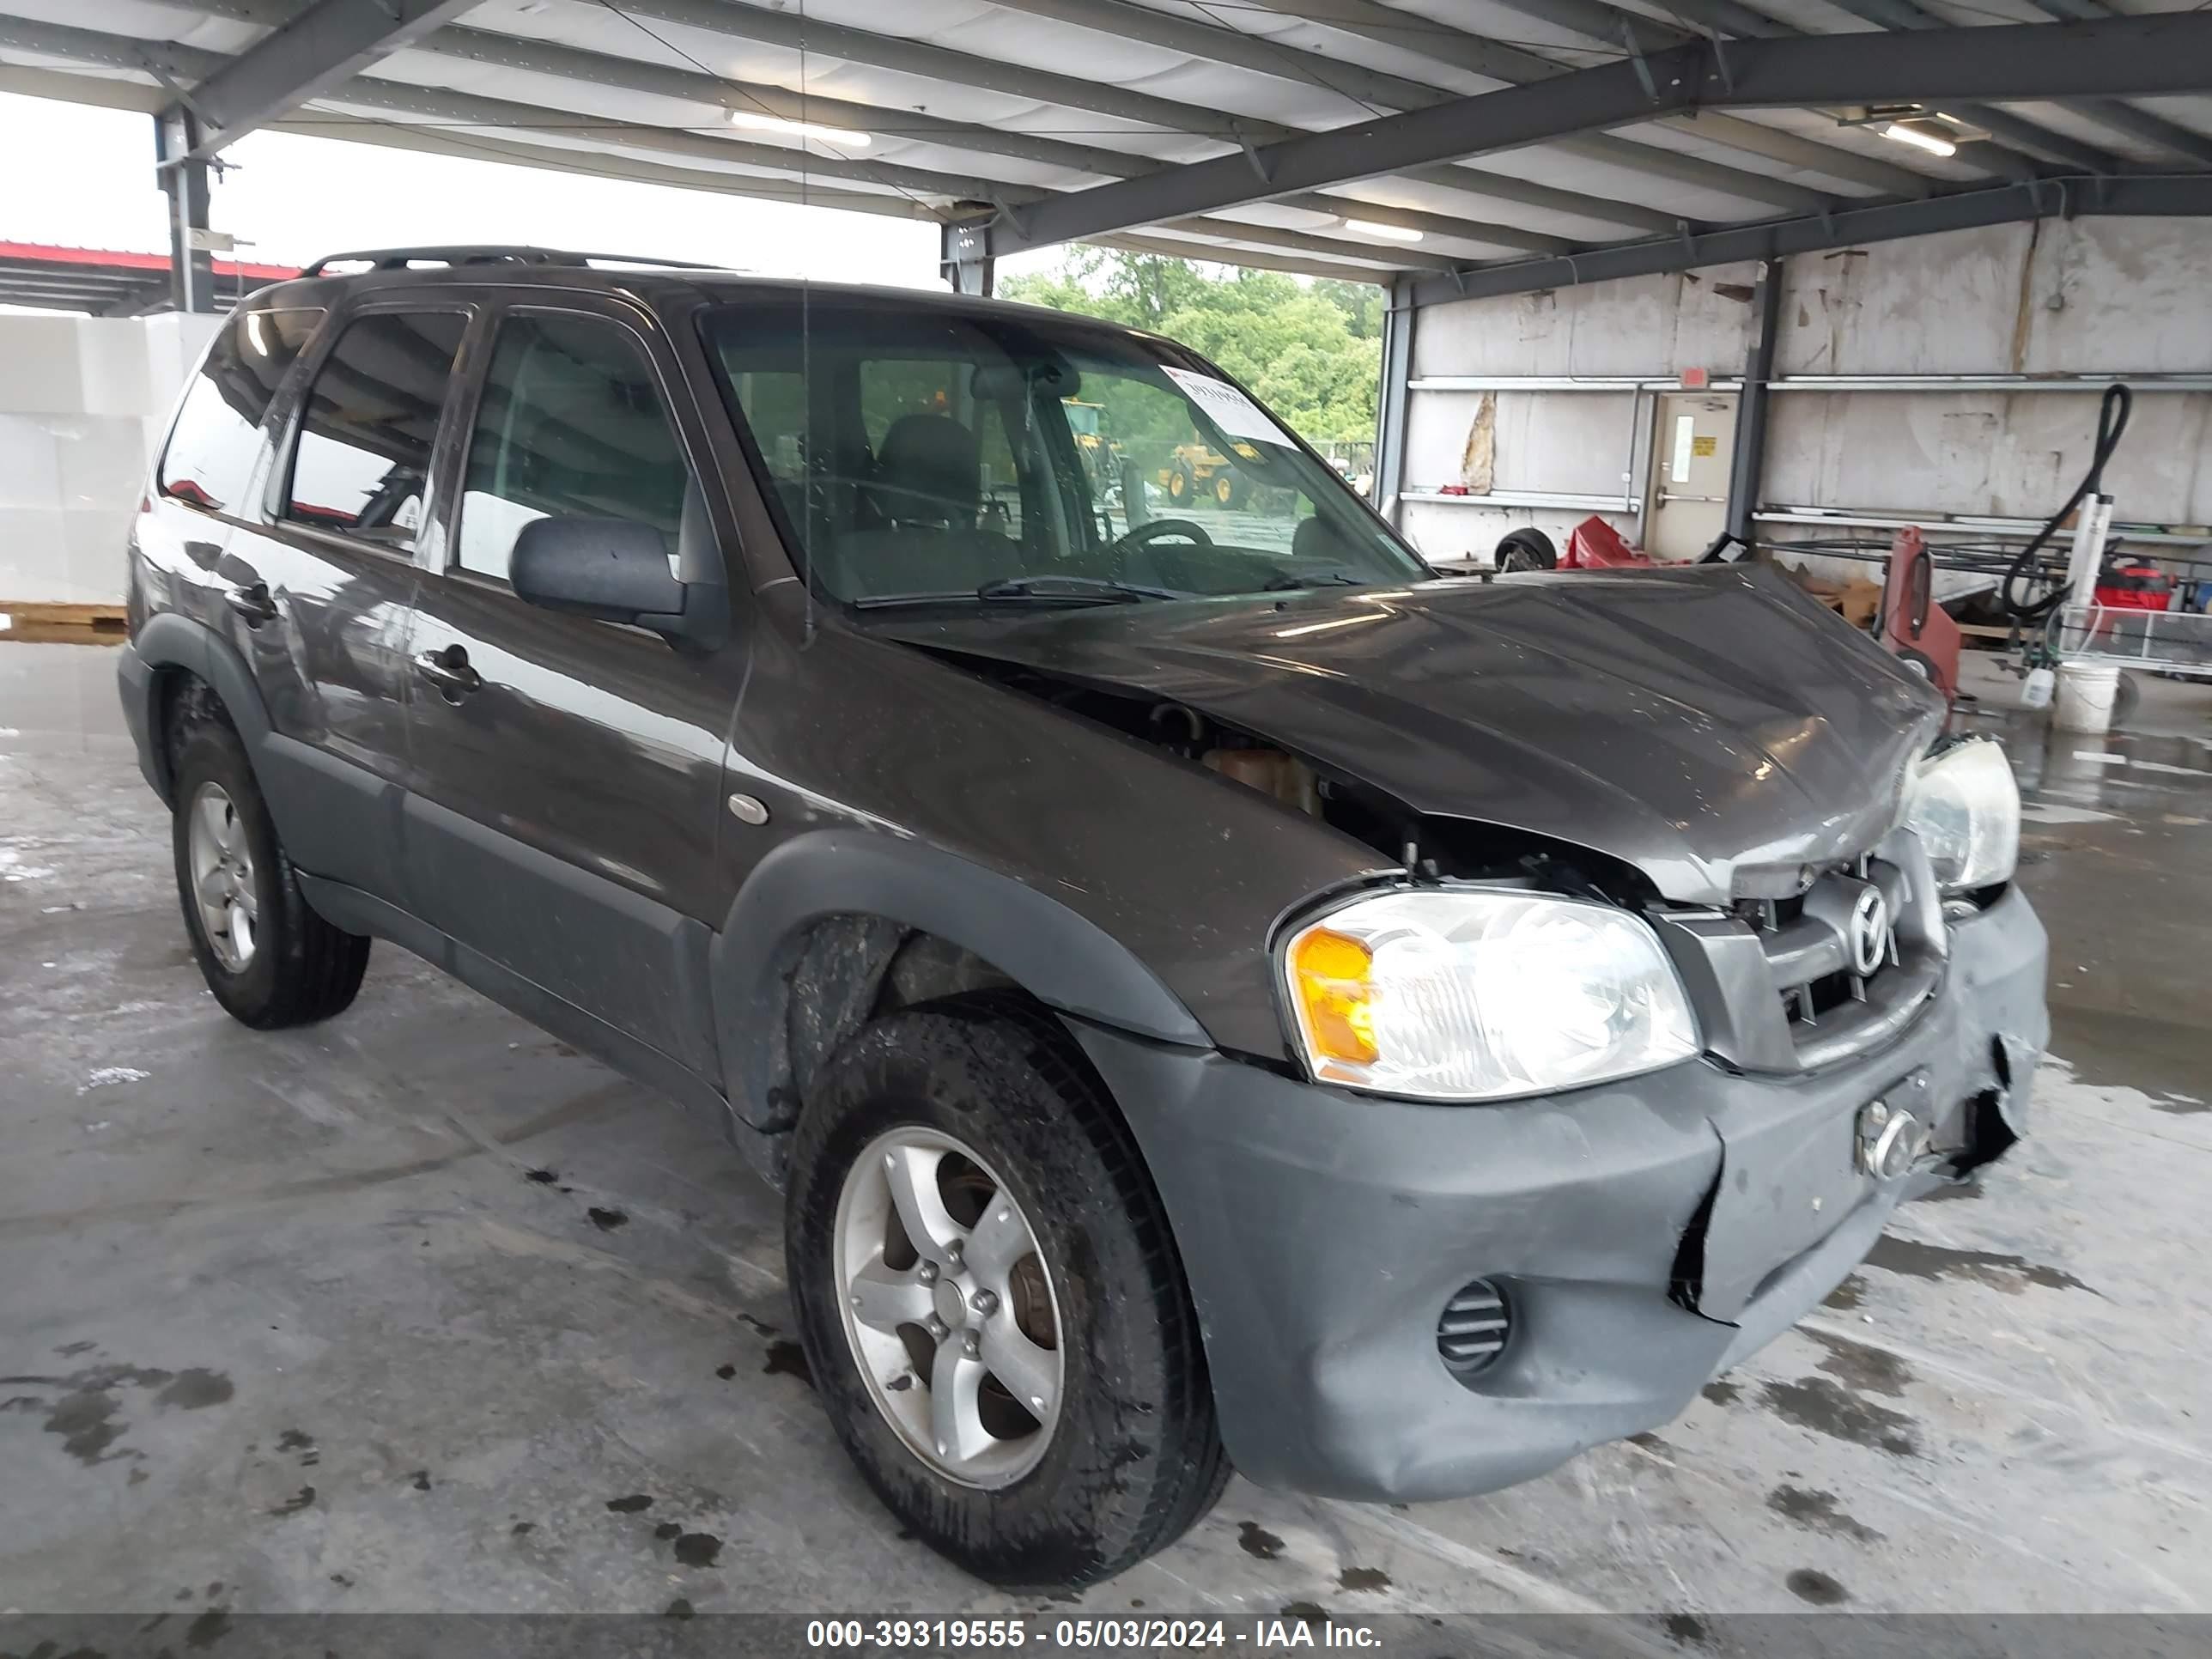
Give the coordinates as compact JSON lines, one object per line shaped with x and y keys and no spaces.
{"x":1868,"y":937}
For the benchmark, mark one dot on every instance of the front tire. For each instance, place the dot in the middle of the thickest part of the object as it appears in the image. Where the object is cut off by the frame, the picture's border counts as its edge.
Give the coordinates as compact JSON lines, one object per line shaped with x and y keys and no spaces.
{"x":269,"y":960}
{"x":966,"y":1140}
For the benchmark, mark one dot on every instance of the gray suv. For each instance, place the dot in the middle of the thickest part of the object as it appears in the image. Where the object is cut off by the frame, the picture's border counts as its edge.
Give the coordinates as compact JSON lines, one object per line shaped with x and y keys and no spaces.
{"x":1213,"y":991}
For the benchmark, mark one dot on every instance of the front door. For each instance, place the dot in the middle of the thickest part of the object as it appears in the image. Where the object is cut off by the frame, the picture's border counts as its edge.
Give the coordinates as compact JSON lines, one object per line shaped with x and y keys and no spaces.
{"x":319,"y":584}
{"x":566,"y":795}
{"x":1693,"y":435}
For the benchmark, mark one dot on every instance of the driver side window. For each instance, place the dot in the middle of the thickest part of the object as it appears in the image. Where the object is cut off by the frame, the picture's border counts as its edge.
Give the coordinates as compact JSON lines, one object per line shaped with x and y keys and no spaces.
{"x":571,"y":424}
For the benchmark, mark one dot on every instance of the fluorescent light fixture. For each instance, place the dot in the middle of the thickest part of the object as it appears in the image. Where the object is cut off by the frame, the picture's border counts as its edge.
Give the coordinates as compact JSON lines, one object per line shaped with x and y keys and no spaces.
{"x":1918,"y":135}
{"x":758,"y":123}
{"x":1386,"y":233}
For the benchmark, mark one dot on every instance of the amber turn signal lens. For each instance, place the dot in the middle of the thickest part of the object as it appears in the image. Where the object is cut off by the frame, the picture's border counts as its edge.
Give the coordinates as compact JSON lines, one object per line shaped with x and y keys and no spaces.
{"x":1331,"y":973}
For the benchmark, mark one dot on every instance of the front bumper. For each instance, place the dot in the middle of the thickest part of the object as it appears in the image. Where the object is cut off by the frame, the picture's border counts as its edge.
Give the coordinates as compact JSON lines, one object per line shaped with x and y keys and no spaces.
{"x":1323,"y":1232}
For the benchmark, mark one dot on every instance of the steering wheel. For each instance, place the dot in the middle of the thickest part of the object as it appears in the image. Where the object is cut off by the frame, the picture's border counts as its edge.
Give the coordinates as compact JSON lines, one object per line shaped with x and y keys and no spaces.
{"x":1144,"y":534}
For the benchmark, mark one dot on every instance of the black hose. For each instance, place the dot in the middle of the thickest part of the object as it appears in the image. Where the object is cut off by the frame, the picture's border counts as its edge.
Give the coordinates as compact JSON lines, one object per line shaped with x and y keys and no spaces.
{"x":2112,"y":412}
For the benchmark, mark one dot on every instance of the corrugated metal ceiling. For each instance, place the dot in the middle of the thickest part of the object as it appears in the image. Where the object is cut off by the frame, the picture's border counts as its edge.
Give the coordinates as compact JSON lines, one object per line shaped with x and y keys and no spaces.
{"x":1007,"y":101}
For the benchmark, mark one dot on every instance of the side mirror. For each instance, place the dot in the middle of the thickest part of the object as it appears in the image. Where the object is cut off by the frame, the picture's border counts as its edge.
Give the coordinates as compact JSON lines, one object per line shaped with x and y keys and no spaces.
{"x":615,"y":569}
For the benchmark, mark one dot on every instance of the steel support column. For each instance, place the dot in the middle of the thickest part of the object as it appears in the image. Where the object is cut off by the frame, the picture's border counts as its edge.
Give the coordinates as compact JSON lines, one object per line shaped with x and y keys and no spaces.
{"x":1391,"y":406}
{"x":191,"y":262}
{"x":1748,"y":462}
{"x":964,"y":259}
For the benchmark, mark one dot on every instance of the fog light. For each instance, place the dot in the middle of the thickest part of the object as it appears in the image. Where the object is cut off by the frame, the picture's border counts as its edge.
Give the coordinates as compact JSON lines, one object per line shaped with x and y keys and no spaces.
{"x":1470,"y":1332}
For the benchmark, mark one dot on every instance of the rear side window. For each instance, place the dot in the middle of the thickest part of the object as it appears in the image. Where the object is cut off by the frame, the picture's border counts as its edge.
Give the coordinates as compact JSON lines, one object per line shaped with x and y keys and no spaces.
{"x":571,"y":425}
{"x":363,"y":458}
{"x":217,"y":436}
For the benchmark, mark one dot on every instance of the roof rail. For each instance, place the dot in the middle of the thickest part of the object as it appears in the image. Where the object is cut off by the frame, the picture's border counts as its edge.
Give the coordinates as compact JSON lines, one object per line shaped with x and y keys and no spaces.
{"x":400,"y":258}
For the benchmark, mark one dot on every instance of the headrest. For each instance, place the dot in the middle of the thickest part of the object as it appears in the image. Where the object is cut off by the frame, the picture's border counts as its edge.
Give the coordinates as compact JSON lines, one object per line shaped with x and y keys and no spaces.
{"x":929,"y":469}
{"x":1313,"y":539}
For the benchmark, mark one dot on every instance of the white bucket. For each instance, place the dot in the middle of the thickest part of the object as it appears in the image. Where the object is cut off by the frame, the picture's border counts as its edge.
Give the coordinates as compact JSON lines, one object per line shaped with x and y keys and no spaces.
{"x":2086,"y":691}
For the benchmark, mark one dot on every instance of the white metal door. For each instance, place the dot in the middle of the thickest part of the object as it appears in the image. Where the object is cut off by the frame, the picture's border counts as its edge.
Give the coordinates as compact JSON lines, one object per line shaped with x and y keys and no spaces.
{"x":1691,"y":435}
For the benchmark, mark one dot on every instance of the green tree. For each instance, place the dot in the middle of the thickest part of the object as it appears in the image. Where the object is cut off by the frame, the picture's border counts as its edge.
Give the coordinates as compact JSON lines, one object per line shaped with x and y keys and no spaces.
{"x":1312,"y":351}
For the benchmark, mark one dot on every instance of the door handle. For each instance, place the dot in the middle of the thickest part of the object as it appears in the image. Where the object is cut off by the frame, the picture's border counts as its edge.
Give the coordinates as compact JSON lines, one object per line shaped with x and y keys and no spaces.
{"x":251,"y":602}
{"x":449,"y":671}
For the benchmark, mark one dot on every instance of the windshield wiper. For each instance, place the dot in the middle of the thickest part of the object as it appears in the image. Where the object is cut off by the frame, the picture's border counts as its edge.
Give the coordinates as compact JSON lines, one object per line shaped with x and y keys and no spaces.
{"x":1052,"y":587}
{"x":1284,"y":582}
{"x":1028,"y":589}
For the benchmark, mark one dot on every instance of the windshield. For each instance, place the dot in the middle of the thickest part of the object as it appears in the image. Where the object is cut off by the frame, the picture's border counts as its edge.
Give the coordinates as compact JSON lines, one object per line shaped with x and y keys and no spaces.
{"x":923,"y":454}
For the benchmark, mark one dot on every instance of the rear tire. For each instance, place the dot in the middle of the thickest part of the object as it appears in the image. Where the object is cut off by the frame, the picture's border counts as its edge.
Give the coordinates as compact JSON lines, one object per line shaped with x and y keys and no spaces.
{"x":1131,"y":1456}
{"x":269,"y":960}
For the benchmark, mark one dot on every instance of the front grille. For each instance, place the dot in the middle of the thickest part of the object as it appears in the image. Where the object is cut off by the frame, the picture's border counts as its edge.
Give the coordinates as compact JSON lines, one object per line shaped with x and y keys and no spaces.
{"x":1808,"y":945}
{"x":1472,"y":1330}
{"x":1848,"y":960}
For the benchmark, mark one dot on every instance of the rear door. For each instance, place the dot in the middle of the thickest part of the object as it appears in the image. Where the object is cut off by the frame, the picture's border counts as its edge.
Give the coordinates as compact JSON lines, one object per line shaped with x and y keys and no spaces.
{"x":215,"y":460}
{"x":321,"y":584}
{"x":566,"y":785}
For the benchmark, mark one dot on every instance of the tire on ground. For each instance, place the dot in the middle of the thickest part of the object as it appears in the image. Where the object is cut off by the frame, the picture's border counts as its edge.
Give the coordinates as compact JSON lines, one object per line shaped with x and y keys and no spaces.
{"x":1527,"y":550}
{"x":302,"y":970}
{"x":1135,"y":1458}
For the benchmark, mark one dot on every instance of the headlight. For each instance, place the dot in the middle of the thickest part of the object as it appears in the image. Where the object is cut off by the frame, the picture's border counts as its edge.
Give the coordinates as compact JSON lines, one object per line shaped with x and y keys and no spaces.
{"x":1477,"y":994}
{"x":1964,"y":807}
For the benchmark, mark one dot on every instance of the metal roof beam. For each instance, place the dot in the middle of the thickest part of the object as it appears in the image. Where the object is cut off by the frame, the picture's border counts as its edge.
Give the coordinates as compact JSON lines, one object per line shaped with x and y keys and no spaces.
{"x":1369,"y":89}
{"x":1904,"y":15}
{"x":328,"y":44}
{"x":1409,"y":32}
{"x":765,"y":98}
{"x":2109,"y":112}
{"x":485,"y":116}
{"x":2161,"y":53}
{"x":1164,"y":248}
{"x":2142,"y":196}
{"x":691,"y":86}
{"x":1599,"y":19}
{"x":917,"y":57}
{"x":602,"y":164}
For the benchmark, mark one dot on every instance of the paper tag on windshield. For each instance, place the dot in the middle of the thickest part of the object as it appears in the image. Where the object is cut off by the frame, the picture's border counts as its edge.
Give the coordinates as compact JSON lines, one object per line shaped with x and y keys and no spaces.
{"x":1237,"y":415}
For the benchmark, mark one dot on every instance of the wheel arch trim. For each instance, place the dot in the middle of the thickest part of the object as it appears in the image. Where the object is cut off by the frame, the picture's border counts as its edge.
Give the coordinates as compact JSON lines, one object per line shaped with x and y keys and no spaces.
{"x":1064,"y":960}
{"x":171,"y":641}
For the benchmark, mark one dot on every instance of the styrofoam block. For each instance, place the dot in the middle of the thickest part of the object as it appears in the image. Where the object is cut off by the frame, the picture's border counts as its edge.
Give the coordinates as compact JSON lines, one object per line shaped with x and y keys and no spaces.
{"x":30,"y":463}
{"x":111,"y":354}
{"x":94,"y":540}
{"x":33,"y":554}
{"x":44,"y":374}
{"x":175,"y":342}
{"x":103,"y":460}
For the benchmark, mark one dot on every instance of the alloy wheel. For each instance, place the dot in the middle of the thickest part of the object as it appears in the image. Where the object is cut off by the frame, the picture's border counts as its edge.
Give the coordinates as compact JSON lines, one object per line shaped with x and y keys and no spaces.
{"x":949,"y":1307}
{"x":222,"y":876}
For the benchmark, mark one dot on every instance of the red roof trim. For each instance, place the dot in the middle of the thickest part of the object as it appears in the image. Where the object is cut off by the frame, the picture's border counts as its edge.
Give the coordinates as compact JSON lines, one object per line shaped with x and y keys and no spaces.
{"x":40,"y":253}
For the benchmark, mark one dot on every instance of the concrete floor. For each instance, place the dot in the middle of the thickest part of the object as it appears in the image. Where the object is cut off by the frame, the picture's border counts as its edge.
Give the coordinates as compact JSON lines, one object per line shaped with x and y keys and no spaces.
{"x":417,"y":1309}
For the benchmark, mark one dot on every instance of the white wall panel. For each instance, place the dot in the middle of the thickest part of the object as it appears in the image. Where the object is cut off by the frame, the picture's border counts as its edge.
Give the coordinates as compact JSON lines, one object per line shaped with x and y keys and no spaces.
{"x":2088,"y":296}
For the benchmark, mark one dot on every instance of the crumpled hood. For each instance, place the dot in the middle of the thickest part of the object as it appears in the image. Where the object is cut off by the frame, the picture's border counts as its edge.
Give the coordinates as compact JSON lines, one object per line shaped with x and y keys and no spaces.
{"x":1689,"y":722}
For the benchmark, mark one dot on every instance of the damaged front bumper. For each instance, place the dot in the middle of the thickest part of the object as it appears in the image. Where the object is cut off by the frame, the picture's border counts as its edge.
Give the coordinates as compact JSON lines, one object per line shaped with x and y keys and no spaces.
{"x":1645,"y":1235}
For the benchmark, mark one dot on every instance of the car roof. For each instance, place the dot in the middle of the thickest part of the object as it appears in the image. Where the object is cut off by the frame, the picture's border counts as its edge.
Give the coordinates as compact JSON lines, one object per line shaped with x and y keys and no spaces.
{"x":427,"y":270}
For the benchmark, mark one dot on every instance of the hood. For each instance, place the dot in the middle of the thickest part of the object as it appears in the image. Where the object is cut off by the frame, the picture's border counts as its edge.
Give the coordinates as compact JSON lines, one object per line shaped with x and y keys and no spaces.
{"x":1698,"y":723}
